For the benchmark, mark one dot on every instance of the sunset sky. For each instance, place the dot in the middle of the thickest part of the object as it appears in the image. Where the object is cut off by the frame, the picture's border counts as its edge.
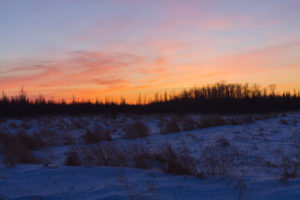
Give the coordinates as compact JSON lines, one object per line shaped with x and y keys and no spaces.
{"x":90,"y":48}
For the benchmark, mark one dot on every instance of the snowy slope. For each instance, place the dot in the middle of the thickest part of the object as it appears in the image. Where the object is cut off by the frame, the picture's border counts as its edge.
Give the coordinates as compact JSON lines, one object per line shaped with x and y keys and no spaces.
{"x":252,"y":161}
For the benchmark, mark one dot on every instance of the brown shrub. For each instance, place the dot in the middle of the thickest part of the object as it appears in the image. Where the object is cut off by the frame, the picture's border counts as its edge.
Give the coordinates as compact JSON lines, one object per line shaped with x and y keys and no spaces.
{"x":221,"y":161}
{"x":46,"y":132}
{"x":33,"y":142}
{"x":136,"y":130}
{"x":97,"y":136}
{"x":240,"y":120}
{"x":5,"y":138}
{"x":283,"y":121}
{"x":188,"y":123}
{"x":247,"y":119}
{"x":223,"y":142}
{"x":110,"y":154}
{"x":72,"y":159}
{"x":105,"y":155}
{"x":137,"y":156}
{"x":265,"y":116}
{"x":97,"y":155}
{"x":211,"y":121}
{"x":140,"y":162}
{"x":117,"y":155}
{"x":286,"y":175}
{"x":141,"y":156}
{"x":14,"y":151}
{"x":289,"y":169}
{"x":171,"y":126}
{"x":177,"y":162}
{"x":294,"y":122}
{"x":68,"y":139}
{"x":78,"y":124}
{"x":13,"y":125}
{"x":25,"y":125}
{"x":234,"y":121}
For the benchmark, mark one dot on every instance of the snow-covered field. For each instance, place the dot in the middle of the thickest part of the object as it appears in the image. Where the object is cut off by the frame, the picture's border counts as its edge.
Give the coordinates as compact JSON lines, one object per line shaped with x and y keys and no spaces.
{"x":151,"y":157}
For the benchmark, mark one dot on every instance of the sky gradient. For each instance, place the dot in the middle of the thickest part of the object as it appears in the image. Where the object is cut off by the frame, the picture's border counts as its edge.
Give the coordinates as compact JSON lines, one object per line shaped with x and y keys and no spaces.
{"x":115,"y":48}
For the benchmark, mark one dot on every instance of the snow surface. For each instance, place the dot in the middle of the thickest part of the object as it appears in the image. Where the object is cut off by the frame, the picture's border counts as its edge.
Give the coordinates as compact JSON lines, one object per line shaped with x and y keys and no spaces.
{"x":264,"y":147}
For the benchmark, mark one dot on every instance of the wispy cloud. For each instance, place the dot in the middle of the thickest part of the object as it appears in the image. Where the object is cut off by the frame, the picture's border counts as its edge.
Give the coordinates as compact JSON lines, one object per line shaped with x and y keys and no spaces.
{"x":121,"y":47}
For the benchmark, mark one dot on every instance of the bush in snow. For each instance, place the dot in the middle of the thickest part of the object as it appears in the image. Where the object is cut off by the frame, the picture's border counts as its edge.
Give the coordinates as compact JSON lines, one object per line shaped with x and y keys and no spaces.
{"x":188,"y":123}
{"x":33,"y":142}
{"x":170,"y":126}
{"x":211,"y":121}
{"x":72,"y":159}
{"x":290,"y":168}
{"x":136,"y":129}
{"x":178,"y":162}
{"x":14,"y":151}
{"x":96,"y":136}
{"x":223,"y":142}
{"x":216,"y":160}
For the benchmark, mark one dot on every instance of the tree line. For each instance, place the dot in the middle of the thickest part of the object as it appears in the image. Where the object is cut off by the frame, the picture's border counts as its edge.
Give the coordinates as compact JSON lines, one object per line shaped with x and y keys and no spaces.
{"x":219,"y":98}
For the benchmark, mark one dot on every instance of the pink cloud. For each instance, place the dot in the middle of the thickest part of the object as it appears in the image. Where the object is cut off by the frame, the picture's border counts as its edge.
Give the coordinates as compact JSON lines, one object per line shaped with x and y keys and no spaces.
{"x":81,"y":70}
{"x":85,"y":72}
{"x":109,"y":81}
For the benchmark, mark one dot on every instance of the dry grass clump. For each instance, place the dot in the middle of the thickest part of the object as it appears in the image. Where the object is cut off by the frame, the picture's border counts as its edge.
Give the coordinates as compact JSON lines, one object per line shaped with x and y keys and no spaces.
{"x":218,"y":159}
{"x":96,"y":136}
{"x":136,"y":129}
{"x":188,"y":123}
{"x":67,"y":139}
{"x":214,"y":160}
{"x":179,"y":162}
{"x":170,"y":126}
{"x":72,"y":158}
{"x":105,"y":155}
{"x":286,"y":175}
{"x":294,"y":121}
{"x":213,"y":163}
{"x":78,"y":124}
{"x":289,"y":169}
{"x":240,"y":120}
{"x":223,"y":142}
{"x":13,"y":125}
{"x":269,"y":163}
{"x":14,"y":151}
{"x":211,"y":121}
{"x":141,"y":162}
{"x":283,"y":121}
{"x":51,"y":137}
{"x":141,"y":156}
{"x":25,"y":124}
{"x":133,"y":155}
{"x":46,"y":132}
{"x":221,"y":161}
{"x":110,"y":154}
{"x":265,"y":116}
{"x":33,"y":142}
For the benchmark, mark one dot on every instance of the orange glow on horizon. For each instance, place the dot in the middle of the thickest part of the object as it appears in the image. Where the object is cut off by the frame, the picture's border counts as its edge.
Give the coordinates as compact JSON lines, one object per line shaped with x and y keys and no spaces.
{"x":127,"y":48}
